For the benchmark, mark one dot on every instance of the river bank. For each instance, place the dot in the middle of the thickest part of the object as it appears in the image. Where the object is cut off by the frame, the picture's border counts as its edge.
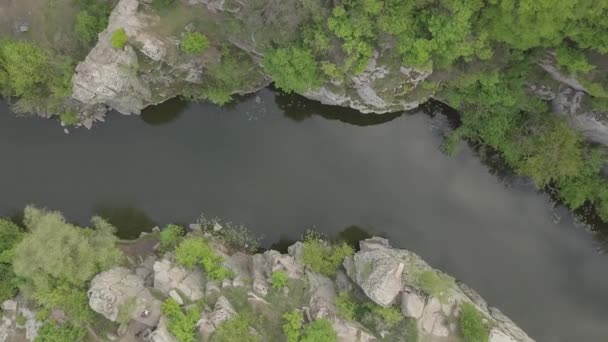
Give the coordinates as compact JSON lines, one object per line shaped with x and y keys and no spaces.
{"x":228,"y":292}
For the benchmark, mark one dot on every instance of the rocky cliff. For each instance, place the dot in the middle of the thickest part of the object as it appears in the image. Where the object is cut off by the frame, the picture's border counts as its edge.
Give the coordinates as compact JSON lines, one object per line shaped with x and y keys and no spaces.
{"x":378,"y":277}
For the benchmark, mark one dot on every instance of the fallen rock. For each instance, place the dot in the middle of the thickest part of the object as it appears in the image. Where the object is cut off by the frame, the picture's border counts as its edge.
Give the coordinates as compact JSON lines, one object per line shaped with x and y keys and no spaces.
{"x":412,"y":304}
{"x":378,"y":271}
{"x":119,"y":289}
{"x":168,"y":276}
{"x":322,"y":296}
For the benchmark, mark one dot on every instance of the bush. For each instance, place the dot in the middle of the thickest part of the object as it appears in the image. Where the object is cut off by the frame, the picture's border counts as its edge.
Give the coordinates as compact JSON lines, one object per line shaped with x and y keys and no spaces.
{"x":322,"y":257}
{"x":433,"y":283}
{"x":69,"y":118}
{"x":471,"y":324}
{"x":170,"y":237}
{"x":235,"y":329}
{"x":279,"y":280}
{"x":293,"y":69}
{"x":119,"y":38}
{"x":194,"y":43}
{"x":92,"y":19}
{"x":573,"y":60}
{"x":293,"y":325}
{"x":319,"y":331}
{"x":181,"y":325}
{"x":53,"y":332}
{"x":347,"y":307}
{"x":196,"y":251}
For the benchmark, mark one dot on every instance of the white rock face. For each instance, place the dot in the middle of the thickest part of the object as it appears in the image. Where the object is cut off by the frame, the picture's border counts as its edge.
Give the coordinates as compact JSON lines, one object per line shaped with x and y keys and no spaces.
{"x":412,"y":304}
{"x":120,"y":288}
{"x":168,"y":276}
{"x":378,"y":270}
{"x":497,"y":335}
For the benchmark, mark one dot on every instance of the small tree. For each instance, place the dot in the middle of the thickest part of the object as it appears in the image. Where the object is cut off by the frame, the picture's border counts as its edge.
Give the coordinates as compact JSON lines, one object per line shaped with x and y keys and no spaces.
{"x":194,"y":43}
{"x":119,"y":38}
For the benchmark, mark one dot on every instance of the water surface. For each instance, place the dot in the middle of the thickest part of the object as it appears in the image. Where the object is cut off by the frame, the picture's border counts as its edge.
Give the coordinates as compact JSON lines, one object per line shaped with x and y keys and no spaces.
{"x":282,"y":165}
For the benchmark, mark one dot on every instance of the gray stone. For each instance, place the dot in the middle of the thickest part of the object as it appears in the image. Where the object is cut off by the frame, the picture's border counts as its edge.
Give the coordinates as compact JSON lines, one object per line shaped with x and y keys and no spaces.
{"x":497,"y":335}
{"x":9,"y":305}
{"x":285,"y":263}
{"x":222,"y":311}
{"x":322,"y":296}
{"x":168,"y":276}
{"x":348,"y":331}
{"x":176,"y":297}
{"x":260,"y":275}
{"x":412,"y":304}
{"x":113,"y":289}
{"x":240,"y":264}
{"x":162,"y":334}
{"x":377,"y":270}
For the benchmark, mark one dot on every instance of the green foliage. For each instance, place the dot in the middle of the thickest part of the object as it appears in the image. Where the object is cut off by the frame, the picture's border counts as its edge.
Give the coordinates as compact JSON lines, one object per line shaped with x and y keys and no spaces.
{"x":53,"y":332}
{"x":119,"y":38}
{"x":293,"y":325}
{"x":69,"y":118}
{"x":471,"y":324}
{"x":194,"y":43}
{"x":279,"y":279}
{"x":56,"y":260}
{"x":573,"y":60}
{"x":434,"y":283}
{"x":92,"y":19}
{"x":235,"y":235}
{"x":235,"y":329}
{"x":10,"y":236}
{"x":322,"y":257}
{"x":347,"y":307}
{"x":196,"y":251}
{"x":40,"y":78}
{"x":181,"y":324}
{"x":20,"y":320}
{"x":293,"y":69}
{"x":170,"y":237}
{"x":319,"y":331}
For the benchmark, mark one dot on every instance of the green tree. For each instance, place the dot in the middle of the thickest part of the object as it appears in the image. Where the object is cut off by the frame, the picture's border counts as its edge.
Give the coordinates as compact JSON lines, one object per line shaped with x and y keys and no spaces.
{"x":56,"y":259}
{"x":194,"y":43}
{"x":293,"y":69}
{"x":235,"y":329}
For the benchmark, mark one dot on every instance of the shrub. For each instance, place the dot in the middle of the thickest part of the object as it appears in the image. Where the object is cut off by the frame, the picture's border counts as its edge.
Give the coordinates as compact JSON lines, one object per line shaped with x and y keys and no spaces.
{"x":194,"y":43}
{"x":279,"y":280}
{"x":573,"y":60}
{"x":181,"y":324}
{"x":433,"y":283}
{"x":53,"y":332}
{"x":347,"y":307}
{"x":119,"y":38}
{"x":293,"y":69}
{"x":196,"y":251}
{"x":293,"y":325}
{"x":471,"y":324}
{"x":69,"y":118}
{"x":170,"y":237}
{"x":235,"y":329}
{"x":319,"y":331}
{"x":322,"y":257}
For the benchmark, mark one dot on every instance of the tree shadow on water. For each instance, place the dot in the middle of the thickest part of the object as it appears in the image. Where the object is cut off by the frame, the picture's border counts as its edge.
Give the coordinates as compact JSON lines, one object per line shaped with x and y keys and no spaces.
{"x":129,"y":221}
{"x":299,"y":108}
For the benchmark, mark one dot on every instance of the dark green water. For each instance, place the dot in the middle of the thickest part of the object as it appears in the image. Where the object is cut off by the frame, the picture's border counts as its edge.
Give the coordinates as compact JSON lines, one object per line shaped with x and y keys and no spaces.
{"x":281,"y":165}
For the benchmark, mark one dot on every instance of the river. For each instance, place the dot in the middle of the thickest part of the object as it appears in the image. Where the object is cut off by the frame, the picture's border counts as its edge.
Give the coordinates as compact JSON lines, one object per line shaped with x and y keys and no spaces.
{"x":281,"y":165}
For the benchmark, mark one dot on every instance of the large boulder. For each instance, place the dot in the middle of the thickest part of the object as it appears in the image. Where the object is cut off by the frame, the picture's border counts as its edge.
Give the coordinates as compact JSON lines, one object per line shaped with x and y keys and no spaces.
{"x":322,"y":296}
{"x":378,"y":270}
{"x":119,"y":289}
{"x":168,"y":277}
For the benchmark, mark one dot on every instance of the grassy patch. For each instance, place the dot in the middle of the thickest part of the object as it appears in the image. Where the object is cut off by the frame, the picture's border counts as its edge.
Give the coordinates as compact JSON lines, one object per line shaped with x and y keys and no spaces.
{"x":322,"y":257}
{"x":119,"y":38}
{"x":471,"y":324}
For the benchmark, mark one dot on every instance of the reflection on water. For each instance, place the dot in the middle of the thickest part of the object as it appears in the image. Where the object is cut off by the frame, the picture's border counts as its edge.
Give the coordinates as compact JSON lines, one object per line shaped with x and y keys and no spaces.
{"x":129,"y":220}
{"x":254,"y":164}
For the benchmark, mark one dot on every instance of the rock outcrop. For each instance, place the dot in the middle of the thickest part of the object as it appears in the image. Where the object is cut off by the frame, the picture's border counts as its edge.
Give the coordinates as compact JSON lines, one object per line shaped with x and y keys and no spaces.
{"x":171,"y":277}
